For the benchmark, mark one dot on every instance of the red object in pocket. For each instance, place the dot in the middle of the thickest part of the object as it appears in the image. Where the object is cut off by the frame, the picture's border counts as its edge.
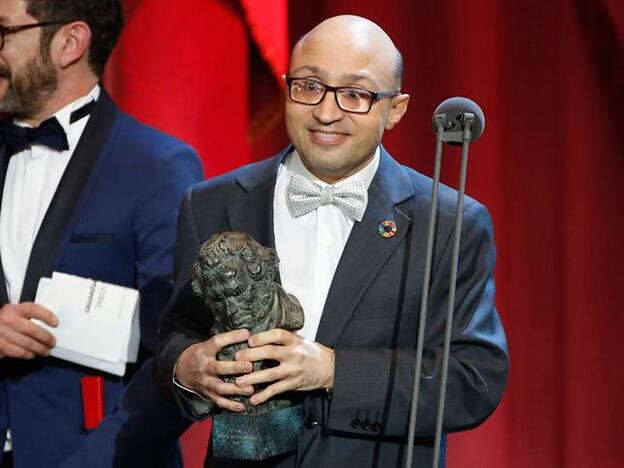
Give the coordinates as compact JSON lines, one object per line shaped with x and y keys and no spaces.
{"x":92,"y":400}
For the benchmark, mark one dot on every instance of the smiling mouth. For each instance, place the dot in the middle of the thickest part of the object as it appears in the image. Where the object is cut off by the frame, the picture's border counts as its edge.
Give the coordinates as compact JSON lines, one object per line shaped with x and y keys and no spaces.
{"x":329,"y":132}
{"x":328,"y":137}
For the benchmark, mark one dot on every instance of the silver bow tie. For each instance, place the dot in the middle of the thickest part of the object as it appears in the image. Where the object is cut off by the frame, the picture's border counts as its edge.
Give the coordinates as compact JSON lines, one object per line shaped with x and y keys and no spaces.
{"x":305,"y":196}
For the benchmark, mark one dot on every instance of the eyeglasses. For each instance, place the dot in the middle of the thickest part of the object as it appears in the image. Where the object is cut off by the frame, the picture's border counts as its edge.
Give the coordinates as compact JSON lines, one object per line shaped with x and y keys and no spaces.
{"x":5,"y":30}
{"x":348,"y":98}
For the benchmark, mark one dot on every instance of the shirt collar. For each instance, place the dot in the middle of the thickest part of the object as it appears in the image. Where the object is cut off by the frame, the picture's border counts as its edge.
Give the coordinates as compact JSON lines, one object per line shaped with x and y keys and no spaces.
{"x":63,"y":115}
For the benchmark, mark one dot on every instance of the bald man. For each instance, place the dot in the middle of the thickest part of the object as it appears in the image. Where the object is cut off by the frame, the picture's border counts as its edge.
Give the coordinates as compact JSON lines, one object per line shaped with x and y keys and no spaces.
{"x":349,"y":225}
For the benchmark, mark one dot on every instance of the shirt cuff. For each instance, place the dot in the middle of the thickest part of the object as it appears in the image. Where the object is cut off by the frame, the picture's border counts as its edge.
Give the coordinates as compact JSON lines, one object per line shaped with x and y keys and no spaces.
{"x":192,"y":404}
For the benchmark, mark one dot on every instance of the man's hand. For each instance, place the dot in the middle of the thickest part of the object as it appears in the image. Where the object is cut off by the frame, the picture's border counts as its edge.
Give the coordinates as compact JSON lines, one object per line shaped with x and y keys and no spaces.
{"x":198,"y":368}
{"x":303,"y":364}
{"x":19,"y":336}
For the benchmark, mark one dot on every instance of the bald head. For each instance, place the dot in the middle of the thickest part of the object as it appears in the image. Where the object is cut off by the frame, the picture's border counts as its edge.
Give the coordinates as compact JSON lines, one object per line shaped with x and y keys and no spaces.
{"x":349,"y":34}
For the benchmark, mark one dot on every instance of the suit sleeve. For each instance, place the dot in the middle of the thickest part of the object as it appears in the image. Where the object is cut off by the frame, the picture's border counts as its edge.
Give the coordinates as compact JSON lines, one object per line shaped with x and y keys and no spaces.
{"x":155,"y":231}
{"x":376,"y":384}
{"x":185,"y":321}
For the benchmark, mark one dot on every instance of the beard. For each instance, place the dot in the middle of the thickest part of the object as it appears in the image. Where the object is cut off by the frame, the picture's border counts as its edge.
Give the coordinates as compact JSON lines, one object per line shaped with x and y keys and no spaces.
{"x":28,"y":88}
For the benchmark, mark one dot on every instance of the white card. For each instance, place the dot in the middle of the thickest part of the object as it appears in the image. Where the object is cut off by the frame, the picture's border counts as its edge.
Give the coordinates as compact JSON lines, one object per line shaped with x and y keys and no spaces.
{"x":98,"y":322}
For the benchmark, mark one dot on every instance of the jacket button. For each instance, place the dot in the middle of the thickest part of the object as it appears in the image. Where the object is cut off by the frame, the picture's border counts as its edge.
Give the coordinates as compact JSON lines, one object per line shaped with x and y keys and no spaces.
{"x":376,"y":427}
{"x":366,"y":424}
{"x":310,"y":422}
{"x":355,"y":423}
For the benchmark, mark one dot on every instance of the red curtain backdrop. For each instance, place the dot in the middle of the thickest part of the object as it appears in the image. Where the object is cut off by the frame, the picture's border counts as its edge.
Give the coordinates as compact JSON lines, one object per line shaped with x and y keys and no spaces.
{"x":550,"y":167}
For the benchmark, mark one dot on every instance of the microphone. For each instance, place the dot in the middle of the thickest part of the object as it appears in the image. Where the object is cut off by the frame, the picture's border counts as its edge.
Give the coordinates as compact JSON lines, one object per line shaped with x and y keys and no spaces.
{"x":453,"y":113}
{"x":457,"y":121}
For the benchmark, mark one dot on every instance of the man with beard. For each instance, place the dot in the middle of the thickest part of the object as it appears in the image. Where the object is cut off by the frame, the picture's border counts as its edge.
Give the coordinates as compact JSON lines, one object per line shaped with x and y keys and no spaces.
{"x":86,"y":190}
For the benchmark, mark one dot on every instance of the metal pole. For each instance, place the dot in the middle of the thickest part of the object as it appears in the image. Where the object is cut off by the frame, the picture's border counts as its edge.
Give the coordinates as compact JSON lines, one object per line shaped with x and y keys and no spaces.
{"x":425,"y":292}
{"x":452,"y":287}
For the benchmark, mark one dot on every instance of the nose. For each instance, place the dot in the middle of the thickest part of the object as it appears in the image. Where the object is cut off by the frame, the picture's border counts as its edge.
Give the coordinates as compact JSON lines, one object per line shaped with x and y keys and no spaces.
{"x":327,"y":111}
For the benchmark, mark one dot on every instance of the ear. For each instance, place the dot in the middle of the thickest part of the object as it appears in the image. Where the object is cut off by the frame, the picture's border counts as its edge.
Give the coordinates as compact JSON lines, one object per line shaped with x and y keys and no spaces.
{"x":71,"y":43}
{"x":398,"y":107}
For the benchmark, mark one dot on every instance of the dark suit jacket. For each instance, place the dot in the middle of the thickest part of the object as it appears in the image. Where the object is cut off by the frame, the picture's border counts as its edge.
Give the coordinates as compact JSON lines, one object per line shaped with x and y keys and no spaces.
{"x":112,"y":218}
{"x":370,"y":316}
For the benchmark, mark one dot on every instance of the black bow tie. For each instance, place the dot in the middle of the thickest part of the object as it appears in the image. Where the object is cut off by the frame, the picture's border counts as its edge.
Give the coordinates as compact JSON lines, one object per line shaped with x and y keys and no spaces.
{"x":50,"y":133}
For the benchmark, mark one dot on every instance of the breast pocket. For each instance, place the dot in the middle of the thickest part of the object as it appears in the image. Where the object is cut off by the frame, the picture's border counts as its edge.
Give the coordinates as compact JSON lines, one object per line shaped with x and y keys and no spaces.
{"x":103,"y":256}
{"x":89,"y":238}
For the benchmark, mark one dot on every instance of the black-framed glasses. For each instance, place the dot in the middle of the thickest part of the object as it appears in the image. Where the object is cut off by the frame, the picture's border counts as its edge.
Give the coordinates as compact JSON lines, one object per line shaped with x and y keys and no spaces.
{"x":5,"y":30}
{"x":348,"y":98}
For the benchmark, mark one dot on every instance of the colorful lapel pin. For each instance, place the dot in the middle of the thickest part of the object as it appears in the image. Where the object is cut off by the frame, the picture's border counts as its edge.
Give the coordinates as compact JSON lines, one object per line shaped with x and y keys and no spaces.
{"x":387,"y":228}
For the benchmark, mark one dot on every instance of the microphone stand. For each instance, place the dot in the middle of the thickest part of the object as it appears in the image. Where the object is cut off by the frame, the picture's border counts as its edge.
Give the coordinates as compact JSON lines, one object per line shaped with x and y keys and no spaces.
{"x":452,"y":137}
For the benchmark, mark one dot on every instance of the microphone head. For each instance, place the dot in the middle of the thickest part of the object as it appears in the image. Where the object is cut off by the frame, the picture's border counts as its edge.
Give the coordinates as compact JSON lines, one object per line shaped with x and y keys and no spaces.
{"x":452,"y":113}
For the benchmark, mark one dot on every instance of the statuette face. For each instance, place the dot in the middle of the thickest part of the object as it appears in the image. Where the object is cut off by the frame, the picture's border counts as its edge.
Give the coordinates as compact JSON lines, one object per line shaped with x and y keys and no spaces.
{"x":235,"y":276}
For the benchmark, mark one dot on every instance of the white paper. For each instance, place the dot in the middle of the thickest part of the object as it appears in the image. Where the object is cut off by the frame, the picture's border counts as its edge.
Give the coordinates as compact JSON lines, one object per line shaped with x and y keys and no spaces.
{"x":98,"y":322}
{"x":115,"y":368}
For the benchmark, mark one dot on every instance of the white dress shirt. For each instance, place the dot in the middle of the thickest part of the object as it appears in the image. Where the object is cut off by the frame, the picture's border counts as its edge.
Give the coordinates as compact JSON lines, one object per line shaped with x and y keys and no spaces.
{"x":31,"y":180}
{"x":310,"y":246}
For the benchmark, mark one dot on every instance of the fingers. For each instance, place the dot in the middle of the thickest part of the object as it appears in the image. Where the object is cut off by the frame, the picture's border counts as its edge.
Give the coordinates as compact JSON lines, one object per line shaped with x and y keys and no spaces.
{"x":205,"y":354}
{"x":19,"y":336}
{"x":229,"y":367}
{"x":31,"y":330}
{"x":268,"y":345}
{"x":275,"y":353}
{"x":219,"y":391}
{"x":274,"y":336}
{"x":199,"y":369}
{"x":272,"y":390}
{"x":303,"y":365}
{"x":262,"y":376}
{"x":225,"y":403}
{"x":200,"y":360}
{"x":8,"y":349}
{"x":31,"y":310}
{"x":28,"y":344}
{"x":218,"y":342}
{"x":217,"y":386}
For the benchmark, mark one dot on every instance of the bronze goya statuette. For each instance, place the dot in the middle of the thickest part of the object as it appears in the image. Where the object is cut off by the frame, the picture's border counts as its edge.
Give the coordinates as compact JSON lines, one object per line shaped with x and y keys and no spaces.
{"x":235,"y":276}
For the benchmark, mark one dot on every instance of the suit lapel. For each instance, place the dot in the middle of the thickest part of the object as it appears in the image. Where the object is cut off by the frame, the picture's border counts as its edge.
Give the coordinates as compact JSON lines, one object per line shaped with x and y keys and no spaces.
{"x":252,"y":212}
{"x":4,"y":163}
{"x":54,"y":231}
{"x":366,"y":250}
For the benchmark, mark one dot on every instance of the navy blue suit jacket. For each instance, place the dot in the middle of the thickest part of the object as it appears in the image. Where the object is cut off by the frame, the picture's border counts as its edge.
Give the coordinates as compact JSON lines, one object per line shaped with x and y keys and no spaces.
{"x":113,"y":219}
{"x":370,"y":316}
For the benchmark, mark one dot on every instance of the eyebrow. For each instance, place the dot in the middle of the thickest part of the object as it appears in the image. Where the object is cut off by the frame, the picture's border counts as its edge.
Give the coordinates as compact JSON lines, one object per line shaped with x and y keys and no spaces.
{"x":351,"y":77}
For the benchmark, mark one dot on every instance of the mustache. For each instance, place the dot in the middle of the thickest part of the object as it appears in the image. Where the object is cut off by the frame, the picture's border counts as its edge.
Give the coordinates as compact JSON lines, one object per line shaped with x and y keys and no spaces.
{"x":5,"y":72}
